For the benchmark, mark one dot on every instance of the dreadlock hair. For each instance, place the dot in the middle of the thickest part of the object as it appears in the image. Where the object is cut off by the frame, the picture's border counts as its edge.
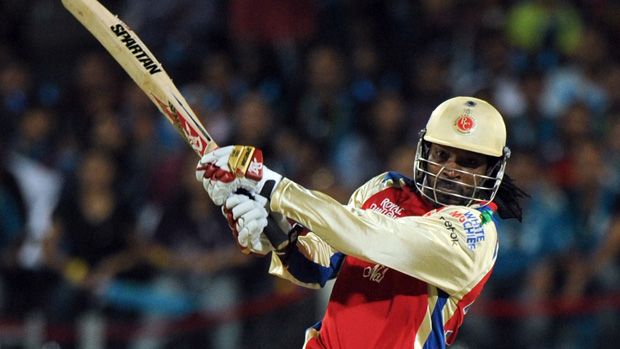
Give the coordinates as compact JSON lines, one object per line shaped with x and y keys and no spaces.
{"x":508,"y":199}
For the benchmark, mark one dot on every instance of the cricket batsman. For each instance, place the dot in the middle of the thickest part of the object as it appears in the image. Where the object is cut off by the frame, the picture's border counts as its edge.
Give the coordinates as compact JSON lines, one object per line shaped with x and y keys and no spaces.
{"x":410,"y":255}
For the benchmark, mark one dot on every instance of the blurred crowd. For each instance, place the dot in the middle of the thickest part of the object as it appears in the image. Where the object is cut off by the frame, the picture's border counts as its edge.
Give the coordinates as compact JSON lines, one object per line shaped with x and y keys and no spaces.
{"x":100,"y":213}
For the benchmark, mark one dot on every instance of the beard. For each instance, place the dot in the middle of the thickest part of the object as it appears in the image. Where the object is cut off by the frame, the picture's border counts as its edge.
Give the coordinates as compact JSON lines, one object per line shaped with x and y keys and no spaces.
{"x":450,"y":193}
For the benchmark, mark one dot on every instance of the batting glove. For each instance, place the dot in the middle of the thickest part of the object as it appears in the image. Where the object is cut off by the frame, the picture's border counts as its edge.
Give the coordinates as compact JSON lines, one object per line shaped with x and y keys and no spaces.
{"x":248,"y":219}
{"x":226,"y":170}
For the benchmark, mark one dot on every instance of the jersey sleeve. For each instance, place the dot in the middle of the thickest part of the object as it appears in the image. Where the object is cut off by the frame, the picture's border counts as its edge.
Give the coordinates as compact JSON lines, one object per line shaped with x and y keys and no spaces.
{"x":452,"y":248}
{"x":368,"y":189}
{"x":313,"y":262}
{"x":310,"y":264}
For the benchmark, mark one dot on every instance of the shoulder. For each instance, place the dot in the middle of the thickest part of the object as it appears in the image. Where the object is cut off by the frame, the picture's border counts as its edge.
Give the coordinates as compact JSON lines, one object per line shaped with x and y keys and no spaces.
{"x":389,"y":179}
{"x":378,"y":183}
{"x":396,"y":179}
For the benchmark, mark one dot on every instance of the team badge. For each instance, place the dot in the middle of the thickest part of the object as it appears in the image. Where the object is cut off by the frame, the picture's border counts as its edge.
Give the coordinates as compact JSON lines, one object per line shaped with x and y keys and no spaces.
{"x":465,"y":124}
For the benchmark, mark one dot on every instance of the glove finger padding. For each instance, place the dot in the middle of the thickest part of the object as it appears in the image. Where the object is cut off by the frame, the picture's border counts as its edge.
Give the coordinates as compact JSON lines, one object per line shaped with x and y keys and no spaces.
{"x":251,"y":235}
{"x":231,"y":204}
{"x":222,"y":162}
{"x":206,"y":165}
{"x":221,"y":175}
{"x":217,"y":155}
{"x":255,"y":214}
{"x":248,"y":218}
{"x":243,"y":208}
{"x":219,"y":191}
{"x":234,"y":230}
{"x":261,"y":242}
{"x":235,"y":199}
{"x":243,"y":239}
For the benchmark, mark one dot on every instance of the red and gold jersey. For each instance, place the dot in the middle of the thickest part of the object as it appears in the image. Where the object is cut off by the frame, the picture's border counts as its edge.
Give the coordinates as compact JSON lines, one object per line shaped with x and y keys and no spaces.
{"x":406,"y":273}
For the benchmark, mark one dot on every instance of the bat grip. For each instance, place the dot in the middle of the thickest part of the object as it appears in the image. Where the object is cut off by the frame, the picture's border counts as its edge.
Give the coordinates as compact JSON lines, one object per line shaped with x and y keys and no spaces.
{"x":275,"y":235}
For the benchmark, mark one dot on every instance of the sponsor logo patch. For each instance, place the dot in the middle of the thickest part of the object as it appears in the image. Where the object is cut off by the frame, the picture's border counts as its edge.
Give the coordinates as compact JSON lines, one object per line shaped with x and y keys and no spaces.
{"x":451,"y":230}
{"x":375,"y":273}
{"x":472,"y":227}
{"x":388,"y":208}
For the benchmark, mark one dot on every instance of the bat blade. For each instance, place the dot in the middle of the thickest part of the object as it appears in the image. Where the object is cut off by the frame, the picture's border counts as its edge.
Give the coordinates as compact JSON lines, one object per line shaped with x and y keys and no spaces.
{"x":142,"y":66}
{"x":138,"y":61}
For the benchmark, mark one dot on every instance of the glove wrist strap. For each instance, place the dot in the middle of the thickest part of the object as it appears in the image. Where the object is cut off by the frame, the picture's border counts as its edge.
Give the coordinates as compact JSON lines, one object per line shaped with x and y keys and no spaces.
{"x":293,"y":235}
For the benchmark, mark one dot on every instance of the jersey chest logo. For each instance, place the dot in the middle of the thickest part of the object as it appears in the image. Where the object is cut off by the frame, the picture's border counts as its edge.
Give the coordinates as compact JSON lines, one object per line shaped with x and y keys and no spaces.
{"x":387,"y":207}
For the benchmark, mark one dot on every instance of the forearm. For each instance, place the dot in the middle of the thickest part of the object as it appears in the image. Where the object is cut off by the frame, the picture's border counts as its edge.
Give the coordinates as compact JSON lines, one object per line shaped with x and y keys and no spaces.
{"x":310,"y":262}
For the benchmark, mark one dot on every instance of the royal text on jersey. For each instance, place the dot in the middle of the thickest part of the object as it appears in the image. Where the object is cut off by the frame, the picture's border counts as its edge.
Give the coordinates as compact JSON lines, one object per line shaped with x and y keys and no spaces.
{"x":388,"y":208}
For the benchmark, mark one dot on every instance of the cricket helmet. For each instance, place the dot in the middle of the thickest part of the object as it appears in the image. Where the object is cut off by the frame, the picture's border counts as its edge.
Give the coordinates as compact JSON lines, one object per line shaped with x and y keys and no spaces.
{"x":470,"y":124}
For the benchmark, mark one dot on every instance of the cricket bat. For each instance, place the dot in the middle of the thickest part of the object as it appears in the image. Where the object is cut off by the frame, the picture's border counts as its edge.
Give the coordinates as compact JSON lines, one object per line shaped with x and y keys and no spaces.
{"x":138,"y":61}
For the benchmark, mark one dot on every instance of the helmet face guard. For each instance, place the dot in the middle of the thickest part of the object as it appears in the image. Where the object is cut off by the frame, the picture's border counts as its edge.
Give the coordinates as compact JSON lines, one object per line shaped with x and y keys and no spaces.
{"x":481,"y":192}
{"x":469,"y":124}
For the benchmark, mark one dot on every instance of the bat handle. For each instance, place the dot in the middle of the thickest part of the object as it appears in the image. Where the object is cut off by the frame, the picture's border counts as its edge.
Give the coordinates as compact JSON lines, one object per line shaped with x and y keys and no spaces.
{"x":277,"y":237}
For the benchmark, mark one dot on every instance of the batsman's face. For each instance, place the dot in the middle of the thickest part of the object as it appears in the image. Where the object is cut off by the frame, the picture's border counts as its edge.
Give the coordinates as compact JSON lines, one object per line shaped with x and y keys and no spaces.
{"x":455,"y":172}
